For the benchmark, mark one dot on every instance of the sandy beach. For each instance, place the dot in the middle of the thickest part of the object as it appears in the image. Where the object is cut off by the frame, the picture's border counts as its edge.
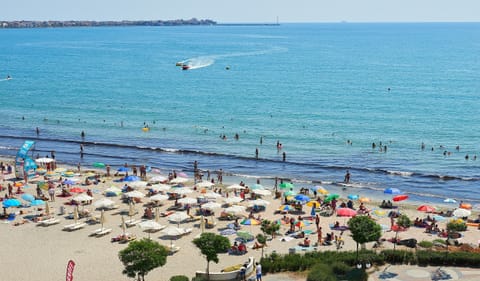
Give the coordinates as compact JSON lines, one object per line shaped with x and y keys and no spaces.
{"x":34,"y":252}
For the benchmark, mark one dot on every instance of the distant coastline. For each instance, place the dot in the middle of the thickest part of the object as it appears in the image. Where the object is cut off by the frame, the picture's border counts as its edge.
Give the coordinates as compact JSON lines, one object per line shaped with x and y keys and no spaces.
{"x":74,"y":23}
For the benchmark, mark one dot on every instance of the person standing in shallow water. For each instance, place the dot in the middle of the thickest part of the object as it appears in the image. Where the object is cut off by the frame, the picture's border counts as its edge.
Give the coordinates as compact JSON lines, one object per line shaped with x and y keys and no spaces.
{"x":347,"y":177}
{"x":256,"y":153}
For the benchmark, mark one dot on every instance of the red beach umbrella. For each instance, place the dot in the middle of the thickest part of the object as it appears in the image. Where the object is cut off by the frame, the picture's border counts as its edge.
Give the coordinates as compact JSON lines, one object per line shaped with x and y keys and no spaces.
{"x":346,"y":212}
{"x":77,"y":190}
{"x":400,"y":197}
{"x":426,"y":208}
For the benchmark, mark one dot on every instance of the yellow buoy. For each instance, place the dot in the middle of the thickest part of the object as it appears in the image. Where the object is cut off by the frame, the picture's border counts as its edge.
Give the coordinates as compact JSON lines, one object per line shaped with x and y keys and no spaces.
{"x":145,"y":129}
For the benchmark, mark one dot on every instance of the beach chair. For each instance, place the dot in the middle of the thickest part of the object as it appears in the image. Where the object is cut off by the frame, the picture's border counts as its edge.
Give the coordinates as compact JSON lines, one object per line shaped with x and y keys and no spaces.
{"x":132,"y":222}
{"x":74,"y":226}
{"x":103,"y":231}
{"x":49,"y":222}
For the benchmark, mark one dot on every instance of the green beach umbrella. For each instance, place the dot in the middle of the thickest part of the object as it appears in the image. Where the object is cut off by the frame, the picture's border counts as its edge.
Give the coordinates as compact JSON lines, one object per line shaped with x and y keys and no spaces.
{"x":331,"y":197}
{"x":289,"y":193}
{"x":284,"y":185}
{"x":98,"y":165}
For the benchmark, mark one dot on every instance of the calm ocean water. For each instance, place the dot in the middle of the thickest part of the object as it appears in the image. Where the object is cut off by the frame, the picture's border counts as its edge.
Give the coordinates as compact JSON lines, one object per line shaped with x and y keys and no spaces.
{"x":322,"y":90}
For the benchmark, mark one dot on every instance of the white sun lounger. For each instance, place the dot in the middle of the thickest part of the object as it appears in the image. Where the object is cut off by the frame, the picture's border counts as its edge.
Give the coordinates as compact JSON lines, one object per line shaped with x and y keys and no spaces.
{"x":130,"y":223}
{"x":100,"y":232}
{"x":49,"y":222}
{"x":74,"y":226}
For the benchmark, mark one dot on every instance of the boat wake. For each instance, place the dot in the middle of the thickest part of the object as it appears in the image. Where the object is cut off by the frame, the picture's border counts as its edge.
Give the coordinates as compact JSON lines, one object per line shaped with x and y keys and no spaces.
{"x":204,"y":61}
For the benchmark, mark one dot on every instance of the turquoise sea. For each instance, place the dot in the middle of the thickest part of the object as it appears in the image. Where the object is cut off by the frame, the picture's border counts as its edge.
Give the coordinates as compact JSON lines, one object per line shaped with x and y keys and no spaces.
{"x":325,"y":91}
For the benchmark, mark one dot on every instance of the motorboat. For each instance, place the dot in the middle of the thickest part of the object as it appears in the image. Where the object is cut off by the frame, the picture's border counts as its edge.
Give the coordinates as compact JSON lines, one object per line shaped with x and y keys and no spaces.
{"x":185,"y":67}
{"x":179,"y":63}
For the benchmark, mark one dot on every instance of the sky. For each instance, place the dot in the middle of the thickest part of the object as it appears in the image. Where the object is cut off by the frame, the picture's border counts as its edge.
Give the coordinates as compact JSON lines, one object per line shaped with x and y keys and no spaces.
{"x":245,"y":11}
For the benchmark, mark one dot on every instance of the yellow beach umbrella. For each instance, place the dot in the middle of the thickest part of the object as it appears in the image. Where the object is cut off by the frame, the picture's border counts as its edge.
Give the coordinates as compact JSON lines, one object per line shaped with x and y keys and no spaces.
{"x":322,"y":191}
{"x":313,"y":204}
{"x":364,"y":199}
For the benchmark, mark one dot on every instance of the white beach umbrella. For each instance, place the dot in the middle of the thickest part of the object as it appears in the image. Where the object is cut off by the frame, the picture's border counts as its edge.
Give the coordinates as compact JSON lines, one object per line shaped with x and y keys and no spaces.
{"x":211,"y":206}
{"x":235,"y":186}
{"x":158,"y":179}
{"x":103,"y":203}
{"x":138,"y":184}
{"x":178,"y":217}
{"x":258,"y":202}
{"x":173,"y":231}
{"x":179,"y":180}
{"x":460,"y":213}
{"x":159,"y":197}
{"x":82,"y":197}
{"x":233,"y":200}
{"x":113,"y":189}
{"x":150,"y":226}
{"x":135,"y":194}
{"x":262,"y":192}
{"x":235,"y":209}
{"x":181,"y":191}
{"x":212,"y":195}
{"x":187,"y":200}
{"x":203,"y":184}
{"x":160,"y":187}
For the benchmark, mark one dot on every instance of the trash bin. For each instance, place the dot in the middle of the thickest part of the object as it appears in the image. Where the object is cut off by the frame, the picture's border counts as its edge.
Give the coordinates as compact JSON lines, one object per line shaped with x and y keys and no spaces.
{"x":291,"y":251}
{"x":62,"y":210}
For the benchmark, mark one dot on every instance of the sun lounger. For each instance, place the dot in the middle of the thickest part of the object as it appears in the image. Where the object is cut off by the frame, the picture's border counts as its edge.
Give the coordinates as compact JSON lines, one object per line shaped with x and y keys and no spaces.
{"x":74,"y":226}
{"x":173,"y":249}
{"x":101,"y":232}
{"x":49,"y":222}
{"x":132,"y":222}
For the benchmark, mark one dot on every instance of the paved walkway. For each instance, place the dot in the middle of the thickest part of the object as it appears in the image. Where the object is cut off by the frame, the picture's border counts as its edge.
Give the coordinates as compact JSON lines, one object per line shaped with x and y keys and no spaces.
{"x":416,"y":273}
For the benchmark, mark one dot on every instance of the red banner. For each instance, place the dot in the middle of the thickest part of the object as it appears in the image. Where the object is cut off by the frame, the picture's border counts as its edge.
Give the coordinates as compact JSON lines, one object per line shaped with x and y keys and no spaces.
{"x":70,"y":267}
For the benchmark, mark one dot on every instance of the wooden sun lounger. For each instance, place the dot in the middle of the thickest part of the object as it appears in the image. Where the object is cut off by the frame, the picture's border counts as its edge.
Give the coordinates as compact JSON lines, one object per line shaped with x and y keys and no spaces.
{"x":100,"y":232}
{"x":74,"y":226}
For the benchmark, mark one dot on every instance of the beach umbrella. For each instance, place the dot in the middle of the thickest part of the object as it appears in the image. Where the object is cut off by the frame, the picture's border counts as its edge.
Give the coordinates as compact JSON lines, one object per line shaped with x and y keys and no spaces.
{"x":113,"y":191}
{"x":400,"y":197}
{"x":228,"y":231}
{"x":103,"y":203}
{"x":364,"y":199}
{"x":134,"y":194}
{"x":69,"y":182}
{"x":159,"y":197}
{"x":379,"y":213}
{"x":131,"y":178}
{"x":235,"y":209}
{"x":173,"y":231}
{"x":212,"y":195}
{"x":262,"y":192}
{"x":233,"y":200}
{"x":12,"y":202}
{"x":203,"y":184}
{"x":179,"y":180}
{"x":156,"y":171}
{"x":211,"y":206}
{"x":258,"y":202}
{"x":28,"y":197}
{"x":187,"y":200}
{"x":69,"y":174}
{"x":321,"y":190}
{"x":426,"y":208}
{"x":250,"y":222}
{"x":77,"y":190}
{"x":450,"y":200}
{"x":178,"y":217}
{"x":82,"y":197}
{"x":285,"y":208}
{"x":235,"y":186}
{"x":37,"y":202}
{"x":302,"y":197}
{"x":289,"y":193}
{"x":182,"y":174}
{"x":466,"y":206}
{"x":314,"y":204}
{"x":346,"y":212}
{"x":257,"y":186}
{"x":247,"y":236}
{"x":158,"y":179}
{"x":150,"y":226}
{"x":353,"y":196}
{"x":98,"y":165}
{"x":160,"y":187}
{"x":302,"y":223}
{"x":138,"y":184}
{"x":123,"y":169}
{"x":460,"y":213}
{"x":89,"y":174}
{"x":392,"y":190}
{"x":60,"y":170}
{"x":438,"y":218}
{"x":331,"y":197}
{"x":181,"y":191}
{"x":285,"y":185}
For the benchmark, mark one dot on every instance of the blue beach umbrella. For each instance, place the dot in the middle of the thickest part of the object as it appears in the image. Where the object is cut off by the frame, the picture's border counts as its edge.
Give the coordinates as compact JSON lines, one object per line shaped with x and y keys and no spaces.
{"x":69,"y":182}
{"x":123,"y":169}
{"x":302,"y":197}
{"x":257,"y":186}
{"x":226,"y":232}
{"x":37,"y":202}
{"x":28,"y":197}
{"x":131,"y":178}
{"x":11,"y":203}
{"x":353,"y":197}
{"x":392,"y":190}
